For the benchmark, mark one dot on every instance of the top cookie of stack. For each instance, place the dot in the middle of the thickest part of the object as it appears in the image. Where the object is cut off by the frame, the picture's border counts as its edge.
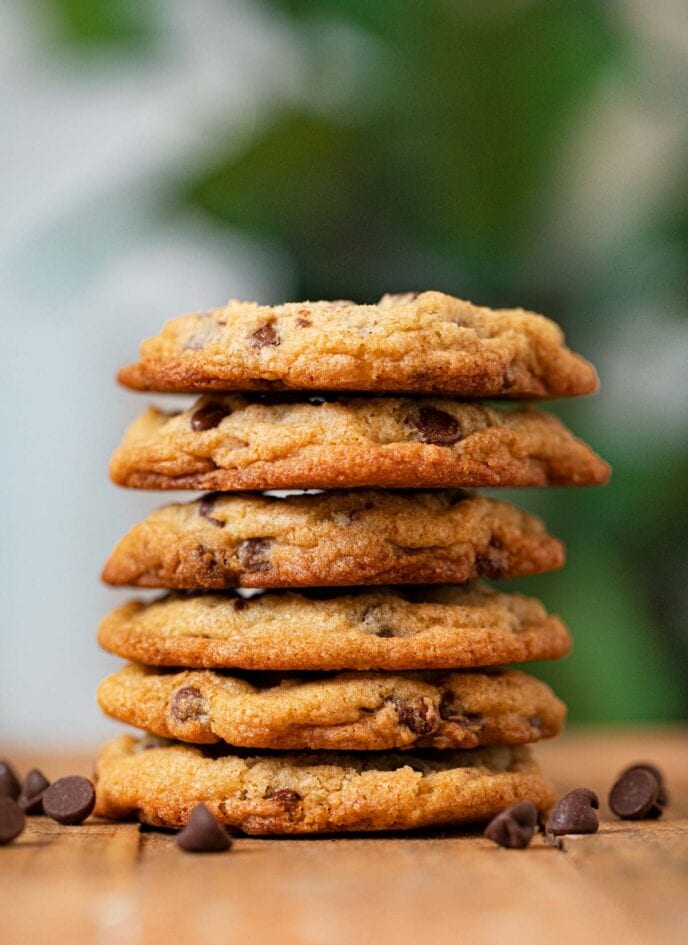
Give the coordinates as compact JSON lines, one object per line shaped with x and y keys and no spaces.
{"x":419,"y":343}
{"x":384,"y":417}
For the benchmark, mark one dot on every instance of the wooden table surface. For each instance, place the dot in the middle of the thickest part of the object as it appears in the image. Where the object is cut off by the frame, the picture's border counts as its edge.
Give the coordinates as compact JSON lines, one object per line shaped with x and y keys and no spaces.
{"x":106,"y":884}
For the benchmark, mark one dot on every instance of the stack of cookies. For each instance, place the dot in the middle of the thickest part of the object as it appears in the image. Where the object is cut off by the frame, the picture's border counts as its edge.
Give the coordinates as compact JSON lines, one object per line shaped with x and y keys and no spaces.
{"x":362,"y":686}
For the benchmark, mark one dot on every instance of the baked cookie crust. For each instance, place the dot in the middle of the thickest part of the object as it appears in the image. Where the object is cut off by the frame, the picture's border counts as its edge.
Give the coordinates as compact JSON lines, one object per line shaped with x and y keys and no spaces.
{"x":323,"y":792}
{"x":234,"y":442}
{"x":333,"y":539}
{"x":426,"y":628}
{"x":347,"y":711}
{"x":424,"y":342}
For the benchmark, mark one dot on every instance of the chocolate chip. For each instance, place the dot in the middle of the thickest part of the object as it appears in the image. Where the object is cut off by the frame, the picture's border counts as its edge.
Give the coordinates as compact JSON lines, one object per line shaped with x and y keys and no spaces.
{"x":662,"y":796}
{"x":12,"y":819}
{"x":420,"y":715}
{"x":209,"y":416}
{"x":254,"y":553}
{"x":33,"y":788}
{"x":285,"y":797}
{"x":9,"y":783}
{"x":188,"y":705}
{"x":436,"y":426}
{"x":69,"y":800}
{"x":451,"y":711}
{"x":264,"y":337}
{"x":513,"y":828}
{"x":574,"y":813}
{"x":239,"y":603}
{"x":304,"y":322}
{"x":493,"y":562}
{"x":206,"y":506}
{"x":635,"y":796}
{"x":203,"y":833}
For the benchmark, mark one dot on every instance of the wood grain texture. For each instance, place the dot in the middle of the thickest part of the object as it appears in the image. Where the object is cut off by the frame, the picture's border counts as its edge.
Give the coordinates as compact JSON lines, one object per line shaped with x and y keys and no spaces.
{"x":105,"y":884}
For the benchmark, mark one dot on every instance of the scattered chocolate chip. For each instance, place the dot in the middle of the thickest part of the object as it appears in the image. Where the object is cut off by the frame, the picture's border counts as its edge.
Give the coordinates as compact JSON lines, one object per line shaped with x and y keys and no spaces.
{"x":574,"y":813}
{"x":635,"y":795}
{"x":203,"y":833}
{"x":9,"y":783}
{"x":436,"y":426}
{"x":264,"y":337}
{"x":254,"y":554}
{"x":304,"y":322}
{"x":513,"y":828}
{"x":662,"y":796}
{"x":188,"y":705}
{"x":206,"y":506}
{"x":33,"y":788}
{"x":420,"y":716}
{"x":209,"y":416}
{"x":239,"y":603}
{"x":69,"y":800}
{"x":385,"y":633}
{"x":535,"y":721}
{"x":493,"y":562}
{"x":285,"y":797}
{"x":12,"y":819}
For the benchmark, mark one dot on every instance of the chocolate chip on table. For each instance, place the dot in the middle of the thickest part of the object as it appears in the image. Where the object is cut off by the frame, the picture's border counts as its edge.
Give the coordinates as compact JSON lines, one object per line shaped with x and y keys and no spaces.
{"x":203,"y":833}
{"x":33,"y":788}
{"x":69,"y":800}
{"x":12,"y":819}
{"x":254,"y":554}
{"x":209,"y":416}
{"x":264,"y":337}
{"x":188,"y":704}
{"x":662,"y":795}
{"x":574,"y":813}
{"x":513,"y":828}
{"x":9,"y":783}
{"x":635,"y":795}
{"x":206,"y":506}
{"x":436,"y":426}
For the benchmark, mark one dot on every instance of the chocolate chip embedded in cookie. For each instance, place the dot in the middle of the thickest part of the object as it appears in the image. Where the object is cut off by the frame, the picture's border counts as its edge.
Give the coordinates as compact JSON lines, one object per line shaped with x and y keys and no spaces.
{"x":429,"y":628}
{"x":425,"y":342}
{"x":349,"y":711}
{"x":235,"y":442}
{"x":317,"y":792}
{"x":334,"y":539}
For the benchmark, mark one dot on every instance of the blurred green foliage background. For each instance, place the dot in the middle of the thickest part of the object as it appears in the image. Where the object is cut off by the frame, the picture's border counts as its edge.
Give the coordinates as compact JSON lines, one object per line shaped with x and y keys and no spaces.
{"x":510,"y":152}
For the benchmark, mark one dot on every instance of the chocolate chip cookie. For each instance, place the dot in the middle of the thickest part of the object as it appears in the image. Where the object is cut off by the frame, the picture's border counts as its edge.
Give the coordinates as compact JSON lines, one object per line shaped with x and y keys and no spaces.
{"x":424,"y":342}
{"x":236,"y":442}
{"x":347,"y":711}
{"x":316,"y":792}
{"x":224,"y":541}
{"x":426,"y":628}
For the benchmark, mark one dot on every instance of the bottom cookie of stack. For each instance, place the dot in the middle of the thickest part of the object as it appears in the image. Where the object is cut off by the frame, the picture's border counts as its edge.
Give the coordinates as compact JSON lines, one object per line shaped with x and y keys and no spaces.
{"x":161,"y":781}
